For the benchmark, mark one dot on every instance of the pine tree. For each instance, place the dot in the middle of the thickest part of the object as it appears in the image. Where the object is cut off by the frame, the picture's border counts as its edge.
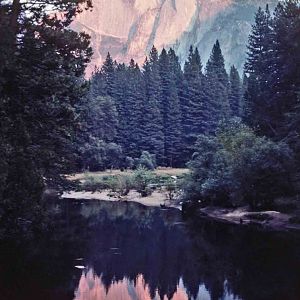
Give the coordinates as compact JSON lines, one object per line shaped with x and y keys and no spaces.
{"x":235,"y":92}
{"x":164,"y":74}
{"x":102,"y":118}
{"x":194,"y":105}
{"x":285,"y":76}
{"x":292,"y":130}
{"x":134,"y":95}
{"x":170,"y":108}
{"x":107,"y":74}
{"x":259,"y":67}
{"x":259,"y":45}
{"x":98,"y":84}
{"x":42,"y":64}
{"x":20,"y":201}
{"x":118,"y":92}
{"x":217,"y":87}
{"x":152,"y":125}
{"x":273,"y":66}
{"x":175,"y":67}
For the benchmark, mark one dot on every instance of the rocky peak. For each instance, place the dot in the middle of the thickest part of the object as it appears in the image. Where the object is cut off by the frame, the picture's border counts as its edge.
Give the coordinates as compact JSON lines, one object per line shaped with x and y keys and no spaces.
{"x":128,"y":28}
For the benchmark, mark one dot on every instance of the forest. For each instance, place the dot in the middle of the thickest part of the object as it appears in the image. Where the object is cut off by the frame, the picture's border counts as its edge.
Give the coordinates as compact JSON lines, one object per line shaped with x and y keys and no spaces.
{"x":238,"y":133}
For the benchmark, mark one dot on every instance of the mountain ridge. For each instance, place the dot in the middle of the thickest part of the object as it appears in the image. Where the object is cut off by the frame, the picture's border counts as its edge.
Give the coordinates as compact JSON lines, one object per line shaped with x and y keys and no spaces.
{"x":128,"y":28}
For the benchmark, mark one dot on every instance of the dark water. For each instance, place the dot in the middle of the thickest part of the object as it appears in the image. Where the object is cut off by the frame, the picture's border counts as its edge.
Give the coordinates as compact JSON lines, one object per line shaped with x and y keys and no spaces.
{"x":131,"y":252}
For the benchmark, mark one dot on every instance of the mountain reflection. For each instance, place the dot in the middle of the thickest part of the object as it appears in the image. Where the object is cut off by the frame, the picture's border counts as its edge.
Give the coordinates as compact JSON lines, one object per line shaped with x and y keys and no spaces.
{"x":146,"y":253}
{"x":91,"y":287}
{"x":131,"y":252}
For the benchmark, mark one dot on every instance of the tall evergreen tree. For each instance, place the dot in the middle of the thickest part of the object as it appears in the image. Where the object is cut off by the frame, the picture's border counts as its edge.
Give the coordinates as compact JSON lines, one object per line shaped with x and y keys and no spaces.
{"x":41,"y":83}
{"x":119,"y":87}
{"x":102,"y":118}
{"x":217,"y":87}
{"x":193,"y":101}
{"x":285,"y":75}
{"x":259,"y":66}
{"x":108,"y":75}
{"x":134,"y":95}
{"x":259,"y":45}
{"x":170,"y":108}
{"x":235,"y":92}
{"x":152,"y":125}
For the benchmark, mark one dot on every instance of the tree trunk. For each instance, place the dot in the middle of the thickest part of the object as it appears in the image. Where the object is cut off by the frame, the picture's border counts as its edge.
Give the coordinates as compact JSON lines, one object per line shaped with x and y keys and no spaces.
{"x":16,"y":9}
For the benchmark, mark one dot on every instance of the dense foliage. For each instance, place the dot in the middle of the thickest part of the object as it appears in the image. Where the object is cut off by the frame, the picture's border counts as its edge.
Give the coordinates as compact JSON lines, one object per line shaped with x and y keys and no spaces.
{"x":52,"y":121}
{"x":162,"y":108}
{"x":238,"y":167}
{"x":273,"y":66}
{"x":141,"y":180}
{"x":42,"y":63}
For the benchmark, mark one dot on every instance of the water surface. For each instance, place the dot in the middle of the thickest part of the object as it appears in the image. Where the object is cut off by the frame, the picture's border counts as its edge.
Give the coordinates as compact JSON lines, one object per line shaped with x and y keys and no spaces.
{"x":108,"y":250}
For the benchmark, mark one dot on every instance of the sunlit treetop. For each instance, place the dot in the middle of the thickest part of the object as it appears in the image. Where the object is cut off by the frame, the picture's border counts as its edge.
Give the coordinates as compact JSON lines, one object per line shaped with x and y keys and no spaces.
{"x":61,"y":12}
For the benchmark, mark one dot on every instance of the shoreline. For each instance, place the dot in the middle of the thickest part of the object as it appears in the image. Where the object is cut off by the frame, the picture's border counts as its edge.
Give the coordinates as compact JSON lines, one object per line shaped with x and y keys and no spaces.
{"x":270,"y":220}
{"x":261,"y":220}
{"x":156,"y":199}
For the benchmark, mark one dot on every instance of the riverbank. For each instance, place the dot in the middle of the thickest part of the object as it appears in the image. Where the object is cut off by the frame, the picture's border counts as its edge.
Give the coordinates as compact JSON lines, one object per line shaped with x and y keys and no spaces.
{"x":273,"y":220}
{"x":157,"y":198}
{"x":150,"y":188}
{"x":263,"y":220}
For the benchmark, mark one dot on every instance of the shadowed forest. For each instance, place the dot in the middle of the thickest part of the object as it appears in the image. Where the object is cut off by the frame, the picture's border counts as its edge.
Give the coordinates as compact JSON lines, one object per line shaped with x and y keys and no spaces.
{"x":237,"y":132}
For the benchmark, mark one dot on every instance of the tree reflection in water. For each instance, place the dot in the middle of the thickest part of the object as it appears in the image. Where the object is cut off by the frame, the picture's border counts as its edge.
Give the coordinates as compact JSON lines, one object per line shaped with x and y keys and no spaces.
{"x":91,"y":288}
{"x":133,"y":252}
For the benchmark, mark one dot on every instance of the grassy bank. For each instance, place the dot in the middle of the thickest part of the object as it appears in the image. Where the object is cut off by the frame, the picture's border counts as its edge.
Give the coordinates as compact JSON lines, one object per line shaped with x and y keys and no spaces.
{"x":153,"y":188}
{"x":159,"y":171}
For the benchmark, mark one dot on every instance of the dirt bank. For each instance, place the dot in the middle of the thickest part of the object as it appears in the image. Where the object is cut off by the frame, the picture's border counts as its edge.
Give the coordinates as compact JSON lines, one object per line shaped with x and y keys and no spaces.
{"x":157,"y":198}
{"x":267,"y":220}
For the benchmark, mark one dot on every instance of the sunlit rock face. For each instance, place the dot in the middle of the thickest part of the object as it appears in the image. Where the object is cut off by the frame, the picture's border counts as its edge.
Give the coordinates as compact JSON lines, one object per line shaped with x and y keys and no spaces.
{"x":128,"y":28}
{"x":91,"y":287}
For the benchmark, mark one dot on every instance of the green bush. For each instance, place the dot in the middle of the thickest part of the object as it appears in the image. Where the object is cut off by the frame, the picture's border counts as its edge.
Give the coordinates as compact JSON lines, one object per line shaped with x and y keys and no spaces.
{"x":171,"y":188}
{"x":236,"y":167}
{"x":142,"y":178}
{"x":129,"y":162}
{"x":123,"y":185}
{"x":97,"y":155}
{"x":94,"y":183}
{"x":120,"y":184}
{"x":146,"y":160}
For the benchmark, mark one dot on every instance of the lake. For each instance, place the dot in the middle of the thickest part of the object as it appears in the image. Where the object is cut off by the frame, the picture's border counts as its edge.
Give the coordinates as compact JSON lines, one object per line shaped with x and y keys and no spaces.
{"x":112,"y":250}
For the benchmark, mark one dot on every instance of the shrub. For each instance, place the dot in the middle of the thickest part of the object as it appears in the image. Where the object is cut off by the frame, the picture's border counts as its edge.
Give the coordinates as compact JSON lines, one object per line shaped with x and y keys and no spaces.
{"x":171,"y":189}
{"x":142,"y":178}
{"x":129,"y":162}
{"x":237,"y":166}
{"x":147,"y":161}
{"x":97,"y":155}
{"x":121,"y":184}
{"x":94,"y":183}
{"x":113,"y":155}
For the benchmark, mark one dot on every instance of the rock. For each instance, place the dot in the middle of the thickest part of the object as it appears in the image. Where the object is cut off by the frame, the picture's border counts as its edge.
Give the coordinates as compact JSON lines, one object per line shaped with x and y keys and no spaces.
{"x":189,"y":208}
{"x":129,"y":28}
{"x":80,"y":267}
{"x":50,"y":194}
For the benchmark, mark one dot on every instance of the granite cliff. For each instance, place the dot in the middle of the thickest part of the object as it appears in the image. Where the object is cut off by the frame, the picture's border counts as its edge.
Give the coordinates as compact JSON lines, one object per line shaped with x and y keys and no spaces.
{"x":129,"y":28}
